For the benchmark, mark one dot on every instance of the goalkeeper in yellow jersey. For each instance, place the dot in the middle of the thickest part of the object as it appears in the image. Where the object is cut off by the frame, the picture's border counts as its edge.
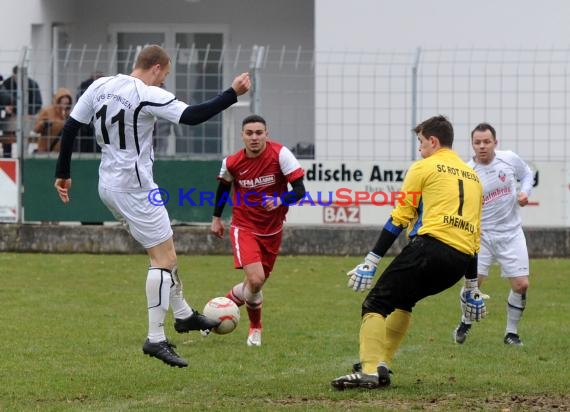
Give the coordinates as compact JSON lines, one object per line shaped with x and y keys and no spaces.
{"x":443,"y":225}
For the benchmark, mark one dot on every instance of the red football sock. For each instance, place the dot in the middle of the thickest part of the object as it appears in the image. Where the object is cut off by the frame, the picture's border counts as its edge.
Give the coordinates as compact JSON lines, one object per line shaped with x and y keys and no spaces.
{"x":254,"y":315}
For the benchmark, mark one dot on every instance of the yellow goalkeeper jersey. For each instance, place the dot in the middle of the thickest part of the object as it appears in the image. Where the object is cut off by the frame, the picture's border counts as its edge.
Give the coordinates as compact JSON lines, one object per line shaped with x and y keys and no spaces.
{"x":449,"y":203}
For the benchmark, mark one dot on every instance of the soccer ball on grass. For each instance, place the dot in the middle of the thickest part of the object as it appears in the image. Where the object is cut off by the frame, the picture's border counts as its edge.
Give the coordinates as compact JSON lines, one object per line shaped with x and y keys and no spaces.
{"x":224,"y":310}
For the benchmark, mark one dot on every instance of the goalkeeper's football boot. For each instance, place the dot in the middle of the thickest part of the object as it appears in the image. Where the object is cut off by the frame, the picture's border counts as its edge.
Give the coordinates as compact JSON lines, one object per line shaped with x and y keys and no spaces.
{"x":356,"y":380}
{"x":357,"y":367}
{"x":513,"y":339}
{"x":383,"y":373}
{"x":254,"y":337}
{"x":460,"y":333}
{"x":196,"y":321}
{"x":164,"y":351}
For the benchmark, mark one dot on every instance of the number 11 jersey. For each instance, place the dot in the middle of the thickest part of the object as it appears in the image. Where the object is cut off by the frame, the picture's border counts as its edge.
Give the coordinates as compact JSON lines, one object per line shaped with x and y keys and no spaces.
{"x":123,"y":110}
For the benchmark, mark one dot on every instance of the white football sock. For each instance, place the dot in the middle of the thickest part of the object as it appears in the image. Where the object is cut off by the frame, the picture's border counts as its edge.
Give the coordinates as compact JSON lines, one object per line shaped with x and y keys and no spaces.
{"x":236,"y":294}
{"x":180,"y":308}
{"x":253,"y":300}
{"x":158,"y":282}
{"x":516,"y":303}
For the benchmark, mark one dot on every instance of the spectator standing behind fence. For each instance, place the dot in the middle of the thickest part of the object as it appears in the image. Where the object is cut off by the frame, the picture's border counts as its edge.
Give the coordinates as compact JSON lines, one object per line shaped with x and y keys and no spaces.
{"x":51,"y":119}
{"x":502,"y":236}
{"x":84,"y":85}
{"x":34,"y":105}
{"x":4,"y":101}
{"x":124,"y":108}
{"x":87,"y":143}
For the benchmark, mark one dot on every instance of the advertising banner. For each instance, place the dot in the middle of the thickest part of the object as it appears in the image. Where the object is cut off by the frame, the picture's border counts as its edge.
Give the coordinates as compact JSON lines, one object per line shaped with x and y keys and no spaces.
{"x":354,"y":193}
{"x":364,"y":193}
{"x":9,"y":190}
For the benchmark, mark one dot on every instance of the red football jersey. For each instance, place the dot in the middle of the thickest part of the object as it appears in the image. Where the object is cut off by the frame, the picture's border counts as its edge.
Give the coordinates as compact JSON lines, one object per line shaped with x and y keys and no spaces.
{"x":257,"y":179}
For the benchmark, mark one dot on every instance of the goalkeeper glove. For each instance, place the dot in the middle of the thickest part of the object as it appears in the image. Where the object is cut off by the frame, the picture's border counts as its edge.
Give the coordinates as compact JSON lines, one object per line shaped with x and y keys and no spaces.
{"x":360,"y":278}
{"x":472,"y":303}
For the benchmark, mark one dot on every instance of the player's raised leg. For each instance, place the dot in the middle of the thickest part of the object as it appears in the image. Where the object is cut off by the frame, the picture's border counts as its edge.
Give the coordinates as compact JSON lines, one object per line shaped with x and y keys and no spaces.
{"x":186,"y":318}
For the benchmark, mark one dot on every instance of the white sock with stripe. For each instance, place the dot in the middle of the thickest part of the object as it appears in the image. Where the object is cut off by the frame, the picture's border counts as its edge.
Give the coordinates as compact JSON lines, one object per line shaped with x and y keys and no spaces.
{"x":180,"y":308}
{"x":158,"y":283}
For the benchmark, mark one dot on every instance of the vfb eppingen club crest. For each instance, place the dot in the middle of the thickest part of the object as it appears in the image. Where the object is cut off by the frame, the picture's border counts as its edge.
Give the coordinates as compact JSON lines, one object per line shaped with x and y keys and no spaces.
{"x":502,"y":176}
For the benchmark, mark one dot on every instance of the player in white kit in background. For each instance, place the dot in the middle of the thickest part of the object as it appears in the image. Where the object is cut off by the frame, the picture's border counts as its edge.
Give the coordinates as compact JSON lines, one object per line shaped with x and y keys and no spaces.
{"x":123,"y":109}
{"x":502,"y":237}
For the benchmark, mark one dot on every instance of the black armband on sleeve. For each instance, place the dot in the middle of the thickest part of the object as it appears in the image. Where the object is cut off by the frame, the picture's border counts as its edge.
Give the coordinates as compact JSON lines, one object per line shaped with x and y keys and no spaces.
{"x":199,"y":113}
{"x":223,"y":187}
{"x":384,"y":242}
{"x":472,"y":268}
{"x":296,"y":194}
{"x":69,"y":131}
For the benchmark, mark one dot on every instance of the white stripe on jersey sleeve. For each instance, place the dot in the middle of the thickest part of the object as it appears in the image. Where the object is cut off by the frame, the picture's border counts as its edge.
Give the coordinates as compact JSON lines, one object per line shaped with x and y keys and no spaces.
{"x":161,"y":103}
{"x":288,"y":161}
{"x":224,"y":172}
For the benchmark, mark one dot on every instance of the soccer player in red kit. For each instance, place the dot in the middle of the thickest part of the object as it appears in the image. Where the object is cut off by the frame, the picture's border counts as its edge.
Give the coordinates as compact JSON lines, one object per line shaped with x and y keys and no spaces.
{"x":260,"y":174}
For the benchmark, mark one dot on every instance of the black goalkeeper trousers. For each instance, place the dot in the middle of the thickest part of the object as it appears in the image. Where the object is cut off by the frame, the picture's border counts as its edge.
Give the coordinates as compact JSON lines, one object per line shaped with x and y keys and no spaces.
{"x":425,"y":267}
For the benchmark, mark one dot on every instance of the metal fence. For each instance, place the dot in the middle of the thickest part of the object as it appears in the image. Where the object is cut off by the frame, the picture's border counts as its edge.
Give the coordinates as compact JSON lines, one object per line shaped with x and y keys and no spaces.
{"x":340,"y":105}
{"x":283,"y":92}
{"x":367,"y":103}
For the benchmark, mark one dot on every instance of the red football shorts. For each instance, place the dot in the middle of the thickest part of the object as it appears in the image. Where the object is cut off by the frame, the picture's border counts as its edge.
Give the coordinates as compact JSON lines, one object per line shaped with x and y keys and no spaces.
{"x":251,"y":248}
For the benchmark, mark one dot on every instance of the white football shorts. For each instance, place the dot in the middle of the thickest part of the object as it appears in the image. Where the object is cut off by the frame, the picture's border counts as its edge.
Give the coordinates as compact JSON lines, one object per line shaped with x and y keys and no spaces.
{"x":508,"y":249}
{"x":148,"y":224}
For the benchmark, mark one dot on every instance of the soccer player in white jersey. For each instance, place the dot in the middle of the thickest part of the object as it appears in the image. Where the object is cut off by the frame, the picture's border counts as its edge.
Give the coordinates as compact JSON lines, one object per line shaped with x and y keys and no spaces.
{"x":123,"y":109}
{"x":260,"y":174}
{"x":502,"y":237}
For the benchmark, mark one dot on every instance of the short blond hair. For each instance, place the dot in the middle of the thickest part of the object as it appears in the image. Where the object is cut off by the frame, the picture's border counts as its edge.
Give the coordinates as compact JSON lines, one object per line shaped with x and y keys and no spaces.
{"x":150,"y":56}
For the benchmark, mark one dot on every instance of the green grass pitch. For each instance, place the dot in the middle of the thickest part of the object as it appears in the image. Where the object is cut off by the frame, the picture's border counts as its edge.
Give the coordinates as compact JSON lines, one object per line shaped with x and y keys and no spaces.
{"x":72,"y":327}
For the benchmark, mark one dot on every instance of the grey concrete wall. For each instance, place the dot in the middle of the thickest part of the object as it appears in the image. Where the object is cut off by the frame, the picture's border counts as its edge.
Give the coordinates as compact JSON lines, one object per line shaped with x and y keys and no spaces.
{"x":196,"y":239}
